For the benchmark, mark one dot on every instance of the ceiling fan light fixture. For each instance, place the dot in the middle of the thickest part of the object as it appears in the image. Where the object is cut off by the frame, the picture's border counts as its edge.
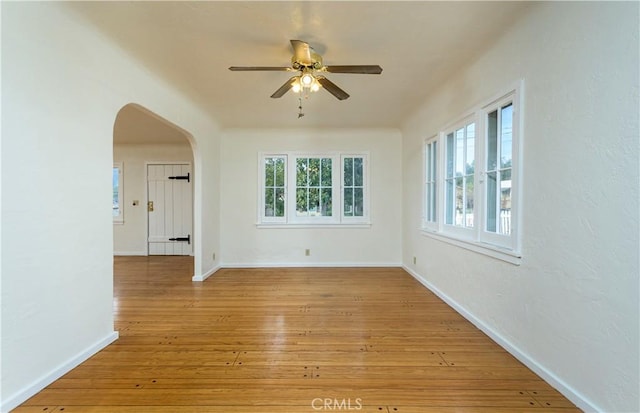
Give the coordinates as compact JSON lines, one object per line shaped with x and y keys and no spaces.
{"x":309,"y":70}
{"x":307,"y":79}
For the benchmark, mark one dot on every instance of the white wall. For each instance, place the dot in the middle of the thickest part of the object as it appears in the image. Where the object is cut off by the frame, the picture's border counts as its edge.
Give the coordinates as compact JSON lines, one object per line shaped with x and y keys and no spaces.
{"x":63,"y":85}
{"x":246,"y":245}
{"x":571,"y":309}
{"x":130,"y":237}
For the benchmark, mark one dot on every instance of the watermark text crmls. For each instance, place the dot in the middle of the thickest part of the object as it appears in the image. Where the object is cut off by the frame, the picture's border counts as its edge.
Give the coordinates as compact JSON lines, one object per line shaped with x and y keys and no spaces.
{"x":334,"y":404}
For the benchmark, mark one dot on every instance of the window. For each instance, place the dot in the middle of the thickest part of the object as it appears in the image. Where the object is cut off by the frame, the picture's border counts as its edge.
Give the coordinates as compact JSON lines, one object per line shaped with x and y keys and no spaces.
{"x":498,"y":169}
{"x":459,"y":176}
{"x":471,"y":186}
{"x":118,"y":212}
{"x":430,"y":182}
{"x":274,"y":187}
{"x":314,"y":187}
{"x":327,"y":188}
{"x":353,"y":186}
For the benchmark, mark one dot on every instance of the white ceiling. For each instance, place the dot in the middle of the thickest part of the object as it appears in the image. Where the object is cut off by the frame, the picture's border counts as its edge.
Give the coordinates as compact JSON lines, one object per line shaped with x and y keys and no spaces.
{"x":192,"y":44}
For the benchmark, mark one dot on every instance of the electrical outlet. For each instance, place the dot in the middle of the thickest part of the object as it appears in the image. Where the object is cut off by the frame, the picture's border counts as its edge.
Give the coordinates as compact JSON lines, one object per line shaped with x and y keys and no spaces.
{"x":307,"y":252}
{"x":414,"y":260}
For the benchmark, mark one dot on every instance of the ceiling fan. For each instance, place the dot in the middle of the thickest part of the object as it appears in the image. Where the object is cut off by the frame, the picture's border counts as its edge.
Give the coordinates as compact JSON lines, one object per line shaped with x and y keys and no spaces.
{"x":310,"y":70}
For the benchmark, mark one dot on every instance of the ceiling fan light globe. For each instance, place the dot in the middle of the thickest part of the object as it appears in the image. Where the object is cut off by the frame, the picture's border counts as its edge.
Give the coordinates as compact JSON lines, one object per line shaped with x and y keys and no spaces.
{"x":296,"y":87}
{"x":307,"y":80}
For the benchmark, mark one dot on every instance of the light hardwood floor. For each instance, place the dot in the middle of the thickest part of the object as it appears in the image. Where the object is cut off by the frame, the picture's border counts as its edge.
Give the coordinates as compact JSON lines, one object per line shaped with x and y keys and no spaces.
{"x":291,"y":341}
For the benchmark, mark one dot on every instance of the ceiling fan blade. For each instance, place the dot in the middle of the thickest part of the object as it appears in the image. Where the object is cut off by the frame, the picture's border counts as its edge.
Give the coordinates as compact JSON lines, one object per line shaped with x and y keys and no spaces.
{"x":259,"y":68}
{"x":332,"y":88}
{"x":361,"y":69}
{"x":284,"y":88}
{"x":301,"y":52}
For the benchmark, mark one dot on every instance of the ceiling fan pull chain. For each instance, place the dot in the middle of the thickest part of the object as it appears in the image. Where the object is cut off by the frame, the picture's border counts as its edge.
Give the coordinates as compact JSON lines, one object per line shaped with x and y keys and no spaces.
{"x":300,"y":113}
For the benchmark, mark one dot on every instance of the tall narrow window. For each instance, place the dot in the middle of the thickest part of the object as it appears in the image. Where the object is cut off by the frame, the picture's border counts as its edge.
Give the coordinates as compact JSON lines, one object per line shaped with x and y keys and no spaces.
{"x":430,"y":181}
{"x":314,"y":195}
{"x":459,"y":176}
{"x":353,"y":187}
{"x":117,"y":204}
{"x":274,"y":187}
{"x":499,"y":169}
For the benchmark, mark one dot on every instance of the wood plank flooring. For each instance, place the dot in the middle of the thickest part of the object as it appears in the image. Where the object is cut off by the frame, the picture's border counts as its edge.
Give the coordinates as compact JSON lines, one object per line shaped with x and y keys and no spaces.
{"x":290,"y":341}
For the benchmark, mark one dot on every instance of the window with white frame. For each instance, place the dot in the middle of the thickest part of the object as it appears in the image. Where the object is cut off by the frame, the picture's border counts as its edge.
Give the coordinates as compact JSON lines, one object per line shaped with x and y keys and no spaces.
{"x":353,"y":186}
{"x":274,"y":181}
{"x":501,"y":172}
{"x":118,"y":212}
{"x":312,"y":188}
{"x":471,"y":179}
{"x":459,"y":175}
{"x":430,"y":182}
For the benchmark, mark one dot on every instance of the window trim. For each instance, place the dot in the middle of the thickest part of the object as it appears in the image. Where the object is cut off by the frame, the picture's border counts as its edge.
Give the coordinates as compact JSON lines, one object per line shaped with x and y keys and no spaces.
{"x":356,"y":220}
{"x":433,"y":141}
{"x":510,"y":242}
{"x":290,"y":204}
{"x":119,"y":219}
{"x":503,"y":247}
{"x":337,"y":219}
{"x":261,"y":188}
{"x":461,"y":232}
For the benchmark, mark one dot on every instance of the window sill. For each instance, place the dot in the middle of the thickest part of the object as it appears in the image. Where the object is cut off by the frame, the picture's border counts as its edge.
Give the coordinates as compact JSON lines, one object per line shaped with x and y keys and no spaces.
{"x":493,"y":251}
{"x":297,"y":226}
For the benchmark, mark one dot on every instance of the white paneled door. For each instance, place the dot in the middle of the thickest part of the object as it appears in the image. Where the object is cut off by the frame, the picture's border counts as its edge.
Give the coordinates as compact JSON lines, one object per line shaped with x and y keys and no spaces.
{"x":170,"y":211}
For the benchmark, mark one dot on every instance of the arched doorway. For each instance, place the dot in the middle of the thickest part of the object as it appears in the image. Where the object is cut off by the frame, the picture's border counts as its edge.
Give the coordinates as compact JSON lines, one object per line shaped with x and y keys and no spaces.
{"x":148,"y":206}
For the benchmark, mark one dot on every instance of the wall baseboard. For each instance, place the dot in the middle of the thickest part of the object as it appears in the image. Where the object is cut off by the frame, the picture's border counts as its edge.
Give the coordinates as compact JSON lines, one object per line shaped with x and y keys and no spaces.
{"x":130,"y":253}
{"x":577,"y":398}
{"x":310,"y":264}
{"x":23,"y":395}
{"x":200,"y":278}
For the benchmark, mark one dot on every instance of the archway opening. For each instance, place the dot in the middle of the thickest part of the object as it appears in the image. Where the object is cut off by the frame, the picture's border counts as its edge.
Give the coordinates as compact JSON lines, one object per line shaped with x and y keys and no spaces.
{"x":153,"y":176}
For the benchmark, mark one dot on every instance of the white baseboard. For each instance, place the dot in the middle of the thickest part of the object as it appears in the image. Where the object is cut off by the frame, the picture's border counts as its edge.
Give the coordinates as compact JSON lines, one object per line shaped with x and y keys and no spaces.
{"x":130,"y":253}
{"x":200,"y":278}
{"x":309,"y":264}
{"x":548,"y":376}
{"x":23,"y":395}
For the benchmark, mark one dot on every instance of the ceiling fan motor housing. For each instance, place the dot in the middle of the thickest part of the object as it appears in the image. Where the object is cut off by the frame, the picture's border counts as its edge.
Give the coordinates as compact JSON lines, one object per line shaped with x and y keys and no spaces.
{"x":315,"y":64}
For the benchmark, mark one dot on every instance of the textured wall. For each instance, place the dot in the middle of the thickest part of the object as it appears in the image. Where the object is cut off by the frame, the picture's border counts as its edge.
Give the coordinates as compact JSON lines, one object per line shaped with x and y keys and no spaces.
{"x":571,"y":308}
